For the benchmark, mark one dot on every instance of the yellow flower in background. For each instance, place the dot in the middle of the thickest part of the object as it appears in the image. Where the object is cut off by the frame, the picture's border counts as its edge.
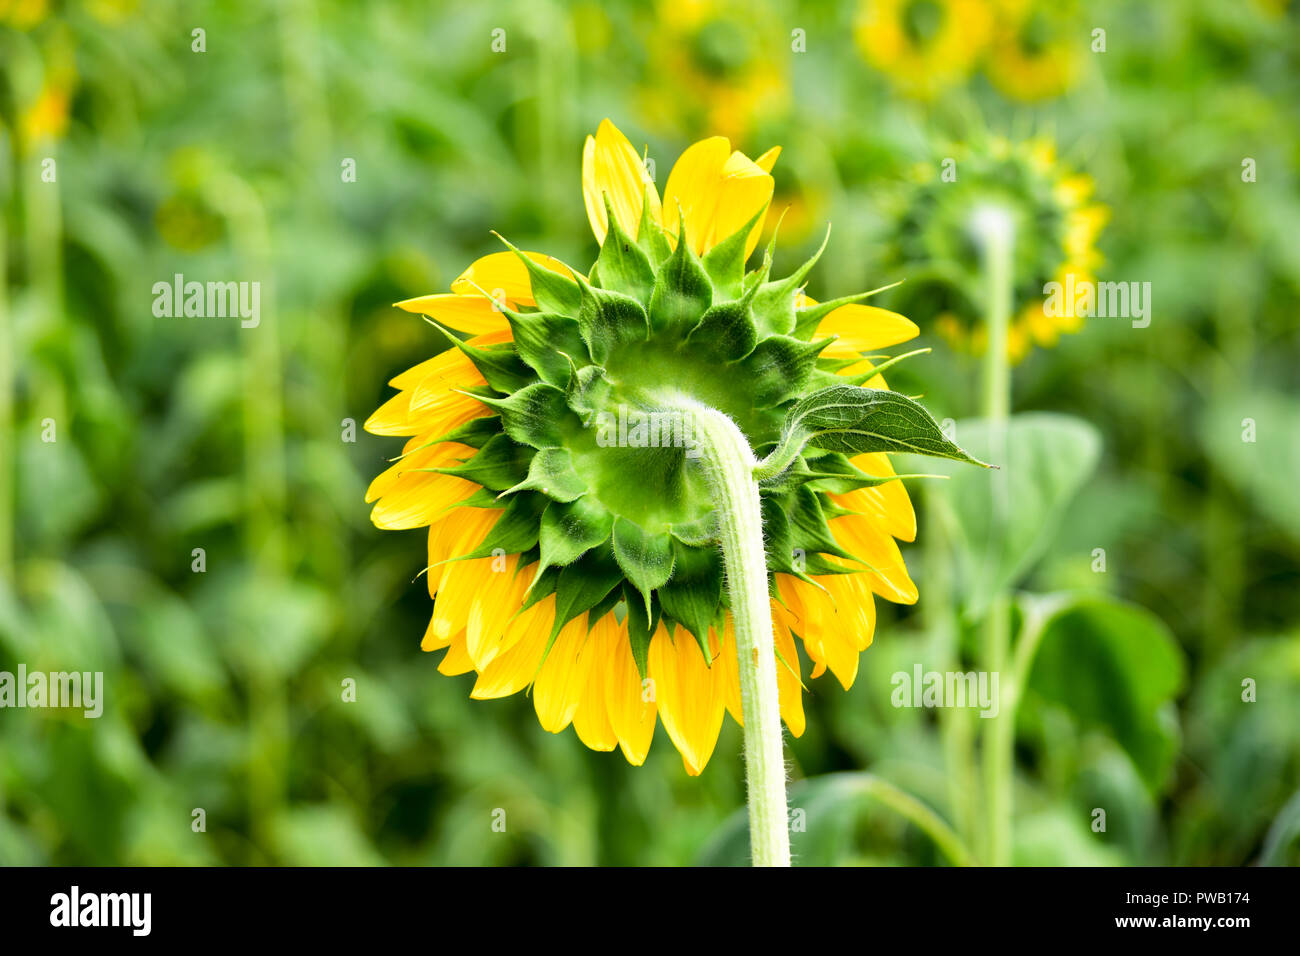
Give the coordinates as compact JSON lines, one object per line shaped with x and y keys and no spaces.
{"x":715,"y":66}
{"x":47,"y":118}
{"x":588,"y":571}
{"x":1057,"y":223}
{"x":925,"y":46}
{"x":23,"y":14}
{"x":1036,"y":49}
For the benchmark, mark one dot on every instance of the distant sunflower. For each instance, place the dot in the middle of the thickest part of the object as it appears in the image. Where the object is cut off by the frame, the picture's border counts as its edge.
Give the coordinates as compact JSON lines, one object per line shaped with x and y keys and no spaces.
{"x":925,"y":46}
{"x":1056,"y":227}
{"x":589,"y":571}
{"x":715,"y":66}
{"x":1036,"y":49}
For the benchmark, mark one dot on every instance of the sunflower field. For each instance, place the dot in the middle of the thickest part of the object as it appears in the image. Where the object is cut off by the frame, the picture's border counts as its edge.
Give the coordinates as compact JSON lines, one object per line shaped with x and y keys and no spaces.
{"x":292,"y":576}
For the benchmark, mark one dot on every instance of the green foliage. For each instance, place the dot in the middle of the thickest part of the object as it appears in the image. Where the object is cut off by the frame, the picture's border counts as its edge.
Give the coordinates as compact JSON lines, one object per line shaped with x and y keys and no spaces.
{"x":1114,"y":668}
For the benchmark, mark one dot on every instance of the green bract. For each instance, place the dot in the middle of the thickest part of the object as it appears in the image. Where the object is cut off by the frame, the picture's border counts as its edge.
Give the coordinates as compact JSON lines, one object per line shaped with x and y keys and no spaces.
{"x":591,"y":453}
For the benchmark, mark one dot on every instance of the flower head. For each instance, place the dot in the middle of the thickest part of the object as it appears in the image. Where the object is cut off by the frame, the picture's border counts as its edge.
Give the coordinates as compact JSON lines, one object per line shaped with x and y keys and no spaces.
{"x":1036,"y":49}
{"x":713,"y":65}
{"x":925,"y":46}
{"x":572,"y":542}
{"x":1052,"y":215}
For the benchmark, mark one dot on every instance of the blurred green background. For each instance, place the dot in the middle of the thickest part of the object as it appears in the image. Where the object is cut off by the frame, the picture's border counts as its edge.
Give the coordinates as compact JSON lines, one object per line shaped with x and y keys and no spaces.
{"x":171,"y":434}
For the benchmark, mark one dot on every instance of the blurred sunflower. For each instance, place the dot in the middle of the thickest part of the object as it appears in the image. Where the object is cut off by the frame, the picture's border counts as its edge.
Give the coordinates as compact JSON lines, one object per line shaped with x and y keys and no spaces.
{"x":589,"y":570}
{"x":1036,"y":49}
{"x":1056,"y":224}
{"x":23,"y":14}
{"x":925,"y":46}
{"x":715,"y":66}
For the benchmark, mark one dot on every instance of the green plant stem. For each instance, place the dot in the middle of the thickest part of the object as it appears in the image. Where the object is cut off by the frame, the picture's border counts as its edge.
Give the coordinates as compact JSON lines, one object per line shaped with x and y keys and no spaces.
{"x":939,"y":612}
{"x":997,"y":241}
{"x":728,"y":463}
{"x":916,"y":812}
{"x":8,"y":449}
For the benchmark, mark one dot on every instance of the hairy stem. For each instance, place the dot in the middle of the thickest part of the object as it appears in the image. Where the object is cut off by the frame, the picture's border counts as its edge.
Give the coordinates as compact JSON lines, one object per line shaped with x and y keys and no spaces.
{"x":728,"y":463}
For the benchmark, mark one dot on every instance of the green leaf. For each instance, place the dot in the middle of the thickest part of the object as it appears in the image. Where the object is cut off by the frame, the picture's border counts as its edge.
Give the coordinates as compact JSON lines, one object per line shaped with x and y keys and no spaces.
{"x":725,"y":330}
{"x":551,"y":291}
{"x":693,"y":595}
{"x":1047,"y":459}
{"x":650,"y":235}
{"x":583,"y":585}
{"x":1118,"y":668}
{"x":474,"y":432}
{"x":828,"y":808}
{"x":701,"y":532}
{"x":551,"y":473}
{"x":725,"y":262}
{"x":586,"y":391}
{"x":536,"y":415}
{"x":808,"y":524}
{"x":779,"y":368}
{"x":609,"y":321}
{"x":854,"y":420}
{"x":550,"y":343}
{"x":1253,"y":437}
{"x":571,"y":529}
{"x":774,"y":300}
{"x":682,"y":292}
{"x":515,"y":531}
{"x":641,"y":626}
{"x":500,"y":463}
{"x":1282,"y":836}
{"x":646,"y":559}
{"x":778,"y":537}
{"x":501,"y":368}
{"x":623,"y":266}
{"x":807,"y":319}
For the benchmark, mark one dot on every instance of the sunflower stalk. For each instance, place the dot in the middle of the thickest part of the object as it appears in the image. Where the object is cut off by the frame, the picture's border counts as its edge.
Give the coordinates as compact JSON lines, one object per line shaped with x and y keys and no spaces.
{"x":996,"y":235}
{"x":728,"y":462}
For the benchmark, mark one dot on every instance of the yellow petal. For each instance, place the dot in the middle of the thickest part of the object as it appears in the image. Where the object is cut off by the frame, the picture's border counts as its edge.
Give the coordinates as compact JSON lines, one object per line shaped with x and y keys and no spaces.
{"x":768,"y":160}
{"x":788,"y":686}
{"x":455,"y":661}
{"x":558,"y":689}
{"x":889,"y":505}
{"x":691,"y":696}
{"x":863,"y":328}
{"x":417,"y":499}
{"x":497,"y":595}
{"x":691,"y":193}
{"x":823,"y":626}
{"x":718,"y":191}
{"x":515,"y":667}
{"x":591,"y":720}
{"x":877,"y":549}
{"x":611,"y":167}
{"x":465,"y":313}
{"x":502,"y":275}
{"x":631,"y":703}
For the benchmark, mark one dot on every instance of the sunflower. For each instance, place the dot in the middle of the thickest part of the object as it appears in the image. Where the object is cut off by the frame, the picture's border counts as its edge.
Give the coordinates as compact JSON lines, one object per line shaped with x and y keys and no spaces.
{"x":569,"y":552}
{"x":1036,"y":49}
{"x":1057,"y":222}
{"x":925,"y":46}
{"x":725,"y":66}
